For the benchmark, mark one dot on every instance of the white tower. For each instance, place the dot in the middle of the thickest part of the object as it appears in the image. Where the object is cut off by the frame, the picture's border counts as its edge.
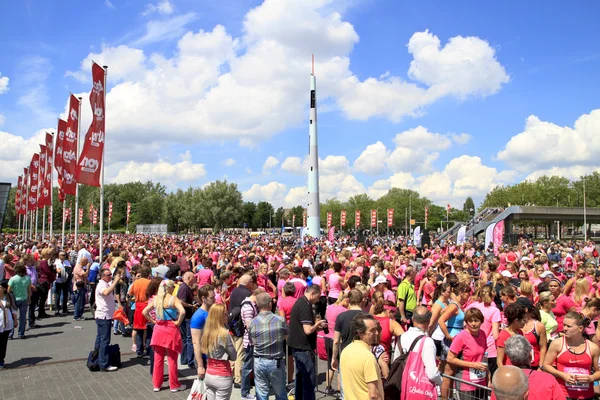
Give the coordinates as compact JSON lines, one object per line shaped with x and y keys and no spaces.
{"x":314,"y":208}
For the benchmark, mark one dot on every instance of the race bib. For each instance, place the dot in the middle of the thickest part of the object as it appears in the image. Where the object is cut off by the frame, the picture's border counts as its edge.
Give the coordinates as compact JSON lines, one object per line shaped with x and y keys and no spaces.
{"x":476,"y":375}
{"x":581,"y":386}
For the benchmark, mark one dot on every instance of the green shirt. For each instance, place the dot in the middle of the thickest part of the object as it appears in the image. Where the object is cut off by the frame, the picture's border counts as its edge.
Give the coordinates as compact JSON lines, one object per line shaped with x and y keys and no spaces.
{"x":406,"y":292}
{"x":19,"y":286}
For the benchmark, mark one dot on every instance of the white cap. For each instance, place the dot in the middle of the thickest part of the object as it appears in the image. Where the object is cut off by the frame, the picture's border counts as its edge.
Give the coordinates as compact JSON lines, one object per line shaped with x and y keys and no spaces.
{"x":546,"y":274}
{"x":506,"y":274}
{"x":379,"y":280}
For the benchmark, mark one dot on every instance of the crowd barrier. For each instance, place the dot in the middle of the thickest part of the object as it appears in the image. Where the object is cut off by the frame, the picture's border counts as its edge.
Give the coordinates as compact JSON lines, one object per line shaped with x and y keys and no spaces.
{"x":480,"y":392}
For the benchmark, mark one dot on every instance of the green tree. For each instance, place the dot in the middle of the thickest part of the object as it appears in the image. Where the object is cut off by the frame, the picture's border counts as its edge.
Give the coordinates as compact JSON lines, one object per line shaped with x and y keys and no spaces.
{"x":278,"y":218}
{"x":298,"y":212}
{"x":469,"y":206}
{"x":264,"y":213}
{"x":248,"y":211}
{"x":221,"y":203}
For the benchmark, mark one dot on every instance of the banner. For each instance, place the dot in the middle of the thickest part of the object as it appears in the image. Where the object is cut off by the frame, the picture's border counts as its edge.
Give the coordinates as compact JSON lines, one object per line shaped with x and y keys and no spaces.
{"x":417,"y":237}
{"x":69,"y":148}
{"x":90,"y":160}
{"x":95,"y":222}
{"x":91,"y":213}
{"x":293,"y":218}
{"x":461,"y":235}
{"x":426,"y":215}
{"x":24,"y":191}
{"x":129,"y":212}
{"x":390,"y":217}
{"x":489,"y":235}
{"x":46,"y":194}
{"x":498,"y":236}
{"x":80,"y":219}
{"x":332,"y":233}
{"x":373,"y":218}
{"x":329,"y":218}
{"x":357,"y":218}
{"x":343,"y":218}
{"x":304,"y":219}
{"x":109,"y":211}
{"x":33,"y":181}
{"x":18,"y":195}
{"x":58,"y":157}
{"x":67,"y":214}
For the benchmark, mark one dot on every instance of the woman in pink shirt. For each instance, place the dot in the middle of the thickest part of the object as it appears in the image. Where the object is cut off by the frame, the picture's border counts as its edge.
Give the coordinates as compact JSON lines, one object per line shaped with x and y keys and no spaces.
{"x":205,"y":276}
{"x":333,"y":310}
{"x":336,"y":284}
{"x":491,"y":321}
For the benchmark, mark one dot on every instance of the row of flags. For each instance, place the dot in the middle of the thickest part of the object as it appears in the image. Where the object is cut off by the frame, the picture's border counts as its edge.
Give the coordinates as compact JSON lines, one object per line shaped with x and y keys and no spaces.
{"x":93,"y":214}
{"x":61,"y":152}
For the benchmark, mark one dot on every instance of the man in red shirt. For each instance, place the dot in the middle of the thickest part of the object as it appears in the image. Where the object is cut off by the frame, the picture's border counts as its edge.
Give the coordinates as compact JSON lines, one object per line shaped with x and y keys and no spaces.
{"x":542,"y":385}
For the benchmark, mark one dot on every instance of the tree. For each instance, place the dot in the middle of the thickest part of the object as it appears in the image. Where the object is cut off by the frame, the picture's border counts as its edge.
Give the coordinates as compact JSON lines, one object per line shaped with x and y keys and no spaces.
{"x":221,"y":203}
{"x":298,"y":212}
{"x":278,"y":219}
{"x":469,"y":206}
{"x":248,"y":211}
{"x":263,"y":215}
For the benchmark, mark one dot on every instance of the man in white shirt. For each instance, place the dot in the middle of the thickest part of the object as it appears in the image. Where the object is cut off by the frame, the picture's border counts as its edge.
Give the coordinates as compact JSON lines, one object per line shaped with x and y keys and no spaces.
{"x":84,"y":253}
{"x":161,"y":270}
{"x":105,"y":309}
{"x":62,"y":285}
{"x":421,"y":318}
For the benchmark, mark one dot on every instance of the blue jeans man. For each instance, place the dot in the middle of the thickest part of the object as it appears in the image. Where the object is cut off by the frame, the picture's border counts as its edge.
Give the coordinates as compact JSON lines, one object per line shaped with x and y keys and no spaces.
{"x":22,"y":306}
{"x":79,"y":296}
{"x":103,"y":341}
{"x":187,"y":353}
{"x":247,"y":369}
{"x":270,"y":373}
{"x":306,"y":379}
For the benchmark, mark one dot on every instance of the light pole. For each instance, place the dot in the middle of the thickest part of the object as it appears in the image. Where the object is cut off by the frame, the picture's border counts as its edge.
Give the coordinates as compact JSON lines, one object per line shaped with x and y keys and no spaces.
{"x":584,"y":214}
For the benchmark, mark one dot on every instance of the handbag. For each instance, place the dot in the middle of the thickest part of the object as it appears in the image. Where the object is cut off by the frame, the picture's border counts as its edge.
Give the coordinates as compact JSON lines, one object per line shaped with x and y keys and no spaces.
{"x":415,"y":383}
{"x":198,"y":390}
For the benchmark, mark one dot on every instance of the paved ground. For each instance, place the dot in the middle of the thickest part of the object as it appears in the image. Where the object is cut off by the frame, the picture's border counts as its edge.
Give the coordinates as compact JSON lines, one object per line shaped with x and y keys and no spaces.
{"x":50,"y":364}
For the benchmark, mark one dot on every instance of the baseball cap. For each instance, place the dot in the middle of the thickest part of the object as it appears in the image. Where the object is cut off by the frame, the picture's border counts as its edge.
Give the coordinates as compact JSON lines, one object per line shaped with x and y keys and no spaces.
{"x":546,"y":274}
{"x":506,"y":274}
{"x":379,"y":280}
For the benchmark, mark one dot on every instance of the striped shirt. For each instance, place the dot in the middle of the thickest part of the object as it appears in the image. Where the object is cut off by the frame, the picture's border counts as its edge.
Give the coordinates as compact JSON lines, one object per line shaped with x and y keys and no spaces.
{"x":267,"y":332}
{"x":248,"y":311}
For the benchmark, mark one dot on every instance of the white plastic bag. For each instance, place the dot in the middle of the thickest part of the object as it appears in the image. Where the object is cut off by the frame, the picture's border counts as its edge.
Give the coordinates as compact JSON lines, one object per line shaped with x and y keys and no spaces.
{"x":198,"y":390}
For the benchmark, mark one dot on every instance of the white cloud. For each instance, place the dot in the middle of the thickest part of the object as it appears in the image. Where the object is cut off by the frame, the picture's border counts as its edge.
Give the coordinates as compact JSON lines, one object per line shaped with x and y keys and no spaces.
{"x":544,"y":145}
{"x":328,"y":166}
{"x":421,"y":138}
{"x":162,"y":171}
{"x":1,"y":119}
{"x":461,"y":138}
{"x":162,"y":7}
{"x":229,"y":162}
{"x":372,"y":159}
{"x":110,"y":5}
{"x":16,"y":152}
{"x":573,"y":172}
{"x":273,"y":192}
{"x":3,"y":84}
{"x":295,"y":165}
{"x":270,"y":163}
{"x":165,"y":29}
{"x":401,"y":180}
{"x":124,"y":63}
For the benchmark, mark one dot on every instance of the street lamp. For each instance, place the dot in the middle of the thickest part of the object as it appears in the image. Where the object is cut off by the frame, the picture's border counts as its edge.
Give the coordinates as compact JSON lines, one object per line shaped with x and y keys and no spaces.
{"x":584,"y":214}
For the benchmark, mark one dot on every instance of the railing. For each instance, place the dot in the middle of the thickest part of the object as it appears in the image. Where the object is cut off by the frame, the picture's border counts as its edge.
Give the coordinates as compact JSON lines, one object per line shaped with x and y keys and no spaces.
{"x":480,"y":392}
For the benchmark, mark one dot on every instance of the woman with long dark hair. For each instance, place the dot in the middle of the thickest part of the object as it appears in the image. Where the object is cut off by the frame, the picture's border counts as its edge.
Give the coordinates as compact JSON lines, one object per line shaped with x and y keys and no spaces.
{"x":8,"y":319}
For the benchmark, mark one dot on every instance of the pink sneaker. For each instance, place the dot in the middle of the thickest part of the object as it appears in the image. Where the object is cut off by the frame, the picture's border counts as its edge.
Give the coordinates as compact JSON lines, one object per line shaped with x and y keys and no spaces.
{"x":134,"y":348}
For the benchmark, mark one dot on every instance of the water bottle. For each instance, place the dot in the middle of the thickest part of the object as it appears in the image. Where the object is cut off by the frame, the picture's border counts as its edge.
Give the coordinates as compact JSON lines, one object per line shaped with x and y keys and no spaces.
{"x":485,"y":359}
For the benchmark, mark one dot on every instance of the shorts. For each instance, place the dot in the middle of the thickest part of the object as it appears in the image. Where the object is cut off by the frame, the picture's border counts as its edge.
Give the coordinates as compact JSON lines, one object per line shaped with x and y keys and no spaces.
{"x":329,"y":351}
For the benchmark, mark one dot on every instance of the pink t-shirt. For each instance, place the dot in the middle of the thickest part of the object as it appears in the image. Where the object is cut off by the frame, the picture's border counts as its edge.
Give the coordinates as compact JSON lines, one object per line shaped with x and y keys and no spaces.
{"x":280,"y":285}
{"x":563,"y":305}
{"x":331,"y":314}
{"x":300,"y":287}
{"x":334,"y":286}
{"x":389,"y":295}
{"x":204,"y":276}
{"x":328,"y":274}
{"x":286,"y":305}
{"x":491,"y":314}
{"x":473,"y":349}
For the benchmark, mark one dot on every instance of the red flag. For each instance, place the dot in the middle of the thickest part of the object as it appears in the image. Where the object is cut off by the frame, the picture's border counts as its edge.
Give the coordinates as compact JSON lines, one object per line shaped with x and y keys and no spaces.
{"x":43,"y":193}
{"x":343,"y":218}
{"x":80,"y":216}
{"x":95,"y":217}
{"x":69,"y":148}
{"x":357,"y":218}
{"x":373,"y":218}
{"x":91,"y":213}
{"x":33,"y":181}
{"x":18,"y":195}
{"x":329,"y":218}
{"x":58,"y":159}
{"x":109,"y":211}
{"x":390,"y":216}
{"x":46,"y":179}
{"x":90,"y":159}
{"x":24,"y":191}
{"x":426,"y":214}
{"x":128,"y":211}
{"x":293,"y":219}
{"x":304,"y":219}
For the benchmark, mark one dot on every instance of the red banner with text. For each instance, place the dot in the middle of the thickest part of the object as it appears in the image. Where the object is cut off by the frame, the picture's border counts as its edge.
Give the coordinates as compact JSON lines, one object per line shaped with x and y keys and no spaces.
{"x":357,"y":218}
{"x":69,"y":148}
{"x":390,"y":216}
{"x":373,"y":218}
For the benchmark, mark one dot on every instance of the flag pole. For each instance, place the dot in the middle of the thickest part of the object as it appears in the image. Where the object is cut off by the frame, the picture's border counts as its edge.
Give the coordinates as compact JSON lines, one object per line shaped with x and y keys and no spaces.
{"x":63,"y":223}
{"x":102,"y":175}
{"x":44,"y":225}
{"x":19,"y":226}
{"x":36,"y":224}
{"x":77,"y":183}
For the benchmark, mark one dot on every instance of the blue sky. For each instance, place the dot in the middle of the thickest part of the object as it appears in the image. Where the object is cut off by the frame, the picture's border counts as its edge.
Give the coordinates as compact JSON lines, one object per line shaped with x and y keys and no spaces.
{"x":446,"y":98}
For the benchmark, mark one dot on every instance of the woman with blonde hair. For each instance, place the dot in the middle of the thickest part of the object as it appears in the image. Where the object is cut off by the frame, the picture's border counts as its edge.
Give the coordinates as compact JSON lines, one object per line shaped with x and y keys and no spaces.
{"x":166,"y":338}
{"x":580,"y":294}
{"x":526,"y":290}
{"x":217,"y":344}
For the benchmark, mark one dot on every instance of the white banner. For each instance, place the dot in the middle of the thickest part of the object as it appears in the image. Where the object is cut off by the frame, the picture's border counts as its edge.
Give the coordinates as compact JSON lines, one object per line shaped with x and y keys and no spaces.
{"x":417,"y":237}
{"x":460,"y":236}
{"x":489,"y":237}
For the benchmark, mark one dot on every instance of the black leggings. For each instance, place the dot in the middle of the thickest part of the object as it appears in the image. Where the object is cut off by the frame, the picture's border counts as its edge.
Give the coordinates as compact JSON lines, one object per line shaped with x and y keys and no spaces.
{"x":3,"y":344}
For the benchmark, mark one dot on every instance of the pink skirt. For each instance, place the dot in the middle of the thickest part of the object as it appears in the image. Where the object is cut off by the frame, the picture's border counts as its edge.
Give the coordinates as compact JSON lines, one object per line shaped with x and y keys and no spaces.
{"x":166,"y":334}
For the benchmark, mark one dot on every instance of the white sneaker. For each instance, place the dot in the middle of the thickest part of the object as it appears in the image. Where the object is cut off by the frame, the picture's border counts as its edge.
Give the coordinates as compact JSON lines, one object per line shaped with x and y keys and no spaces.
{"x":179,"y":389}
{"x":250,"y":396}
{"x":111,"y":369}
{"x":157,"y":389}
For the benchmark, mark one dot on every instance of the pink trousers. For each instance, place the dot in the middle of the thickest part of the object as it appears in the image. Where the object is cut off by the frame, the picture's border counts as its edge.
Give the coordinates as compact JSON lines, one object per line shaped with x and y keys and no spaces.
{"x":159,"y":367}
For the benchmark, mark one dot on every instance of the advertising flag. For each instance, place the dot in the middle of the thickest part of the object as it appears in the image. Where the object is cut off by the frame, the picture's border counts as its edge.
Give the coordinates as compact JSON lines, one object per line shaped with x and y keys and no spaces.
{"x":95,"y":217}
{"x":373,"y":218}
{"x":304,"y":219}
{"x":109,"y":211}
{"x":390,"y":216}
{"x":426,"y":215}
{"x":46,"y":185}
{"x":331,"y":235}
{"x":91,"y":213}
{"x":69,"y":148}
{"x":67,"y":214}
{"x":44,"y":192}
{"x":489,"y":235}
{"x":24,"y":191}
{"x":498,"y":236}
{"x":58,"y":149}
{"x":329,"y":218}
{"x":461,"y":235}
{"x":417,"y":237}
{"x":129,"y":212}
{"x":18,"y":195}
{"x":90,"y":160}
{"x":293,"y":219}
{"x":41,"y":175}
{"x":80,"y":216}
{"x":33,"y":181}
{"x":343,"y":218}
{"x":357,"y":218}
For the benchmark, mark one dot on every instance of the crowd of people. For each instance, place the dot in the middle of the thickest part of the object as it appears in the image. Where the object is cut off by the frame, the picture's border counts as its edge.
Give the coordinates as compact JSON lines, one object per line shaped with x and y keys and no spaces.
{"x":254,"y":313}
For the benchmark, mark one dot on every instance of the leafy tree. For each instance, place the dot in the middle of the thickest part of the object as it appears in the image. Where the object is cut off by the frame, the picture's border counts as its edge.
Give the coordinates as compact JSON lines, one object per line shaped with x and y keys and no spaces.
{"x":221,"y":203}
{"x":298,"y":212}
{"x":248,"y":211}
{"x":264,"y":213}
{"x":278,"y":218}
{"x":469,"y":206}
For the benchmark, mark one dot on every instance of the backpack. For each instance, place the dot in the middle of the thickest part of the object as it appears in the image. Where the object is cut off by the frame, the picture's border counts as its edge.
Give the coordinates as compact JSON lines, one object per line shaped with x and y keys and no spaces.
{"x":235,"y":320}
{"x":92,"y":361}
{"x":392,"y":388}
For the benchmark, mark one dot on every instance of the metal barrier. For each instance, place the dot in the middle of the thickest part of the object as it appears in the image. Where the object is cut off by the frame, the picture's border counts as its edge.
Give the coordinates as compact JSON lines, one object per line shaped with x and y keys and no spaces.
{"x":480,"y":392}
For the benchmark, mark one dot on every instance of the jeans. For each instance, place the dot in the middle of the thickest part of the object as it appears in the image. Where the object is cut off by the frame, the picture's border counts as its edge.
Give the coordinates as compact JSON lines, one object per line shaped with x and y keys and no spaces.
{"x":79,"y":302}
{"x":22,"y":307}
{"x":187,"y":354}
{"x":92,"y":297}
{"x":34,"y":300}
{"x":306,"y":379}
{"x":269,"y":373}
{"x":247,"y":369}
{"x":61,"y":290}
{"x":149,"y":330}
{"x":43,"y":296}
{"x":103,"y":341}
{"x":118,"y":326}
